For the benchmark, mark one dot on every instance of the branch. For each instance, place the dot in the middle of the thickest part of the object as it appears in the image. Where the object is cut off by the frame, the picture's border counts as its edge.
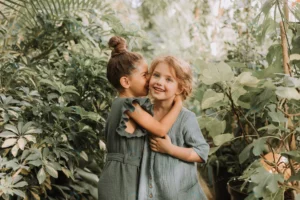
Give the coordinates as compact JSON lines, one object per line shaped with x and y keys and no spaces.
{"x":284,"y":50}
{"x":287,"y":114}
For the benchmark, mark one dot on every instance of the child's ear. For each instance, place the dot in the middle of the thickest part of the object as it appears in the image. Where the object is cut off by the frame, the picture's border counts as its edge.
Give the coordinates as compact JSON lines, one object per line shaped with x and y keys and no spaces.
{"x":124,"y":81}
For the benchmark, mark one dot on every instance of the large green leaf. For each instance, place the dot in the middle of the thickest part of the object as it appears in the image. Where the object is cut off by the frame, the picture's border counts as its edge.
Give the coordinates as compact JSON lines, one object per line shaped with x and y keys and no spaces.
{"x":211,"y":98}
{"x":265,"y":181}
{"x":287,"y":92}
{"x":246,"y":78}
{"x":212,"y":125}
{"x":215,"y":73}
{"x":222,"y":139}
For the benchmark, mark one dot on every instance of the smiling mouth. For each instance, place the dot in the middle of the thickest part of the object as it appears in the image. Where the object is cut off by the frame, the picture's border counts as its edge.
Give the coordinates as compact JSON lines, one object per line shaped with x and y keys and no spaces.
{"x":158,"y":89}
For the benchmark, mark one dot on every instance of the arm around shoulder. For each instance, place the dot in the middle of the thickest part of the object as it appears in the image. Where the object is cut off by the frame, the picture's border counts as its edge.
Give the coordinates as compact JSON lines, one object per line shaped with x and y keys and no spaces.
{"x":157,"y":128}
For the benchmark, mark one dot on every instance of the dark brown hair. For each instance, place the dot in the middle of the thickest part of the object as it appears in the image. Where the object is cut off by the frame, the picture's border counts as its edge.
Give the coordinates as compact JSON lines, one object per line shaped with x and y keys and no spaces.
{"x":121,"y":62}
{"x":182,"y":71}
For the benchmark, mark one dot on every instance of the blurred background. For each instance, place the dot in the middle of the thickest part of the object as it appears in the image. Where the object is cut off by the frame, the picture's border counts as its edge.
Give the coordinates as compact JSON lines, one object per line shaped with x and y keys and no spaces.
{"x":54,"y":95}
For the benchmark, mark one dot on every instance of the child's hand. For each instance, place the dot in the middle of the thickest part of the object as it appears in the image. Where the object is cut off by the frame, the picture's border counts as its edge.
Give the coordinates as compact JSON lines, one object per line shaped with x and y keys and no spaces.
{"x":161,"y":145}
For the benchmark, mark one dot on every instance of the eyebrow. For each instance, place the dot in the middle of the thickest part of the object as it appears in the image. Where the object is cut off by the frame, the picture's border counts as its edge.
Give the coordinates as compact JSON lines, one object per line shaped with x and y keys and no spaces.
{"x":166,"y":75}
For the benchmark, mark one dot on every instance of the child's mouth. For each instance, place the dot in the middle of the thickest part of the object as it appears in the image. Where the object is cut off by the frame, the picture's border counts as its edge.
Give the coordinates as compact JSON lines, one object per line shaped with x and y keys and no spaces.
{"x":158,"y":89}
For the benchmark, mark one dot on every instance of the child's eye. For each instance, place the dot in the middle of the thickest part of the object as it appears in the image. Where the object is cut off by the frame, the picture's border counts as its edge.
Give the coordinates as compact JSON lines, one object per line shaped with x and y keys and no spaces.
{"x":169,"y":80}
{"x":155,"y":75}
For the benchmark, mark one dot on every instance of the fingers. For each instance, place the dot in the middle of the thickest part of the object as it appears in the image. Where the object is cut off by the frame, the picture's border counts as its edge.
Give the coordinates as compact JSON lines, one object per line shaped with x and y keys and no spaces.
{"x":153,"y":147}
{"x":153,"y":141}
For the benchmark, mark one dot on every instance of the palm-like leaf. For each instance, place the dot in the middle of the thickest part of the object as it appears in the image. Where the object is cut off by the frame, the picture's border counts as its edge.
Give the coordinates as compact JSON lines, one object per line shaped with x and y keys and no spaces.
{"x":18,"y":14}
{"x":27,"y":11}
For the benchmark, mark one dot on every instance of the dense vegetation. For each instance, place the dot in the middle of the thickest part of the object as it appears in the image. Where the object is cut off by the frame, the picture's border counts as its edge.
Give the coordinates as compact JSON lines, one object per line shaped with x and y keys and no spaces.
{"x":54,"y":96}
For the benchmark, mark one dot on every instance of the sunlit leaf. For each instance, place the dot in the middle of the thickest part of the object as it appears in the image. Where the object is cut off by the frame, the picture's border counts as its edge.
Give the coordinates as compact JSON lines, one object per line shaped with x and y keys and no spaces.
{"x":223,"y":138}
{"x":14,"y":150}
{"x":41,"y":175}
{"x":9,"y":142}
{"x":84,"y":156}
{"x":287,"y":92}
{"x":7,"y":134}
{"x":22,"y":142}
{"x":210,"y":98}
{"x":247,"y":79}
{"x":52,"y":172}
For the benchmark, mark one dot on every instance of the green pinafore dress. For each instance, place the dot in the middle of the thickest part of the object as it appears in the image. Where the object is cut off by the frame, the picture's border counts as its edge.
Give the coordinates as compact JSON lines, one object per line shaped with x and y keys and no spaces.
{"x":119,"y":179}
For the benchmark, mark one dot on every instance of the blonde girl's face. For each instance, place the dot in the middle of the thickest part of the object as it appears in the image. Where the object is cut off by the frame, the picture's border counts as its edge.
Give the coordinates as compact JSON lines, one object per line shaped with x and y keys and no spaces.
{"x":163,"y":84}
{"x":139,"y":83}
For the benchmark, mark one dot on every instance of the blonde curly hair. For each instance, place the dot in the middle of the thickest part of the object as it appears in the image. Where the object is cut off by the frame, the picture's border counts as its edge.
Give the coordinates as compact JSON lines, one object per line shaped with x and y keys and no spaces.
{"x":182,"y":70}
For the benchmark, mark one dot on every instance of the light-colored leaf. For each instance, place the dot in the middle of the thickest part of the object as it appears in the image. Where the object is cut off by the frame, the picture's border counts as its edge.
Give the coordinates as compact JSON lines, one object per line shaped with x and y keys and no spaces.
{"x":216,"y":127}
{"x":14,"y":150}
{"x":36,"y":163}
{"x":210,"y":98}
{"x":288,"y":93}
{"x":295,"y":57}
{"x":51,"y":171}
{"x":30,"y":138}
{"x":20,"y":184}
{"x":66,"y":172}
{"x":11,"y":128}
{"x":34,"y":130}
{"x":41,"y":175}
{"x":223,"y":138}
{"x":84,"y":155}
{"x":20,"y":125}
{"x":9,"y":142}
{"x":7,"y":134}
{"x":216,"y":73}
{"x":291,"y":81}
{"x":22,"y":142}
{"x":27,"y":126}
{"x":102,"y":145}
{"x":247,"y":79}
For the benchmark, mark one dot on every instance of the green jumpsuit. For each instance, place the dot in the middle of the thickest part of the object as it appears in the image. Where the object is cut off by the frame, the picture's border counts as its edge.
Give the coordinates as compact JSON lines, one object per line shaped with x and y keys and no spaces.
{"x":119,"y":179}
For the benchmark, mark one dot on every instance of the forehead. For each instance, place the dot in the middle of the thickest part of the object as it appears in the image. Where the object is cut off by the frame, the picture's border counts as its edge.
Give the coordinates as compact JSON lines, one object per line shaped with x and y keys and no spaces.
{"x":165,"y":69}
{"x":141,"y":66}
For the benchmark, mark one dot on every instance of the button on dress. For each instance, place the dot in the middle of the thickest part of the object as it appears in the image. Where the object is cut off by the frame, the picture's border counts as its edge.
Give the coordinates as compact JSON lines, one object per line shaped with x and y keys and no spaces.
{"x":164,"y":177}
{"x":119,"y":179}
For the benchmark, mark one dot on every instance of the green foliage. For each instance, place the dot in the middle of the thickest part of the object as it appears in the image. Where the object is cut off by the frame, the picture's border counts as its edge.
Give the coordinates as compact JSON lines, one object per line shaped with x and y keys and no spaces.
{"x":54,"y":96}
{"x":251,"y":105}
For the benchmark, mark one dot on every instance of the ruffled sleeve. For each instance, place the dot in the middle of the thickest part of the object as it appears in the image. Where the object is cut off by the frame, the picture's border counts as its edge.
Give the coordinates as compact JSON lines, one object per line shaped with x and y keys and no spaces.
{"x":128,"y":106}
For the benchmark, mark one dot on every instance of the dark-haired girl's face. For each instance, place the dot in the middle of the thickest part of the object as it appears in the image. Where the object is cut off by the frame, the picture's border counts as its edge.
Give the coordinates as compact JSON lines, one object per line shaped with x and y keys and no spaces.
{"x":139,"y":79}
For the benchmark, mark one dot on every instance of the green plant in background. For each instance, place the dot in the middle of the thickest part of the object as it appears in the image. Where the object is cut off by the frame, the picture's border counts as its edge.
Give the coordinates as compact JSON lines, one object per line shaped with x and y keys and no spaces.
{"x":54,"y":96}
{"x":254,"y":114}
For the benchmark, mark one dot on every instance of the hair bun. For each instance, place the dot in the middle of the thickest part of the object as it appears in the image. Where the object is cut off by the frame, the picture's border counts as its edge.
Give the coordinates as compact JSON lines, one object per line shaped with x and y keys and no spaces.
{"x":118,"y":44}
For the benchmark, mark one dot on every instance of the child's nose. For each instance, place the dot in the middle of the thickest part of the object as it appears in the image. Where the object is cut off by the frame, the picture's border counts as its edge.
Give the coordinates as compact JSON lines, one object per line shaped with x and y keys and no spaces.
{"x":160,"y":81}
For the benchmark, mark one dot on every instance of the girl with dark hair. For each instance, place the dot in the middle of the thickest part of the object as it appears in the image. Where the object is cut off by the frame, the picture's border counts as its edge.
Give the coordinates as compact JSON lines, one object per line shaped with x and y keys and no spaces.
{"x":130,"y":115}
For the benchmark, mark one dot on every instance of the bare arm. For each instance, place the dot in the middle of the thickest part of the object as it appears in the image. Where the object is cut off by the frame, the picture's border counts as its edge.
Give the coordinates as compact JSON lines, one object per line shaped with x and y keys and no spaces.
{"x":164,"y":145}
{"x":158,"y":128}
